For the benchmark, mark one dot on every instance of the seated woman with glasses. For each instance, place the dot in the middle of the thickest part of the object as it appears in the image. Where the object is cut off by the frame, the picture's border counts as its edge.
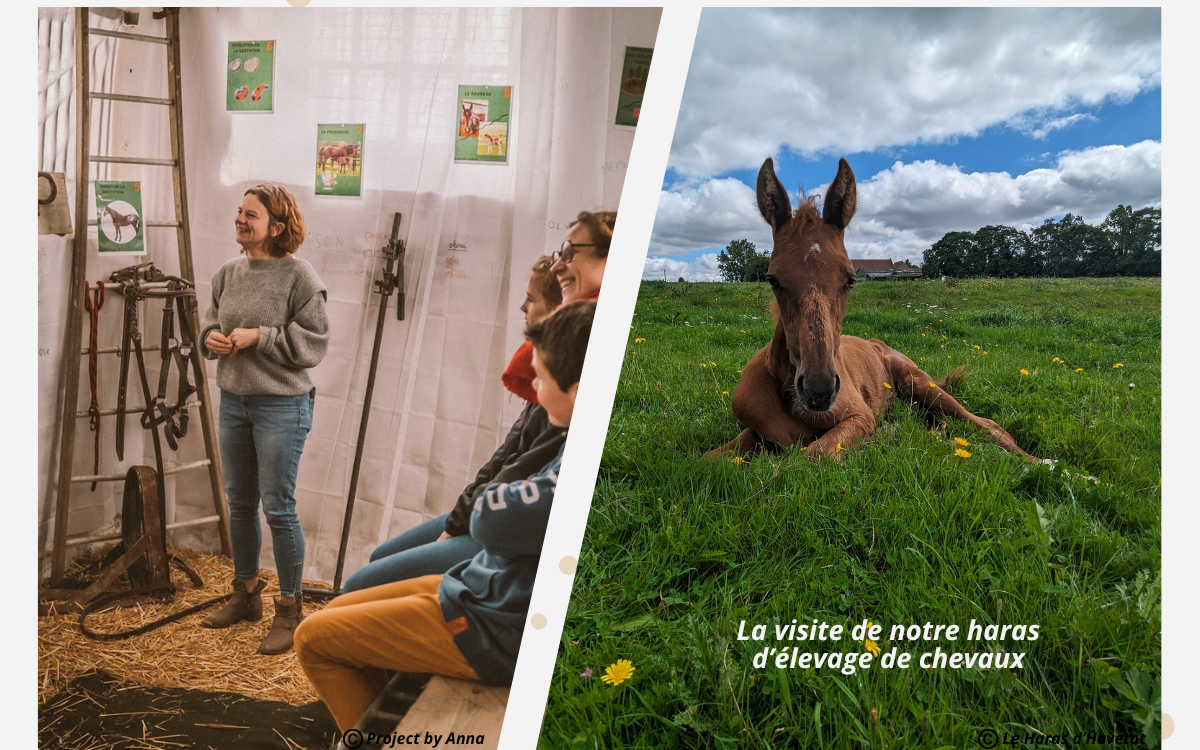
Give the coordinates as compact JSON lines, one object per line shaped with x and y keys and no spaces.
{"x":579,"y":263}
{"x":440,"y":543}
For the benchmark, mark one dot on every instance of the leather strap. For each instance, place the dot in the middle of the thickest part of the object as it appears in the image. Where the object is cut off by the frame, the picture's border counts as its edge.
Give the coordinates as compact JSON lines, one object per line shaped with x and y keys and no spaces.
{"x":93,"y":303}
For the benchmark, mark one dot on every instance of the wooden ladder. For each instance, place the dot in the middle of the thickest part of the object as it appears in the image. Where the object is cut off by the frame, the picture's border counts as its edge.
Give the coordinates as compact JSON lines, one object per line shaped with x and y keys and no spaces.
{"x":79,"y":284}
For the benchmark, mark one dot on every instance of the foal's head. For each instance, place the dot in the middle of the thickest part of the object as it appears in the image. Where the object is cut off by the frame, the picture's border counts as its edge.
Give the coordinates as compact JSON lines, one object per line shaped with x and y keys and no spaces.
{"x":811,"y":276}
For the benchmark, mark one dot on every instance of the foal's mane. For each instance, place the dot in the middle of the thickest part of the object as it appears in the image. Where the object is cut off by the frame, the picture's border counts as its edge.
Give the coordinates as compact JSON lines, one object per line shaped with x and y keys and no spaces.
{"x":804,"y":217}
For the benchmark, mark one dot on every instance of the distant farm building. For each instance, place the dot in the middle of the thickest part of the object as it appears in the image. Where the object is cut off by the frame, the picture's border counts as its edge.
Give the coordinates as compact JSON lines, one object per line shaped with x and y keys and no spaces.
{"x":882,"y":269}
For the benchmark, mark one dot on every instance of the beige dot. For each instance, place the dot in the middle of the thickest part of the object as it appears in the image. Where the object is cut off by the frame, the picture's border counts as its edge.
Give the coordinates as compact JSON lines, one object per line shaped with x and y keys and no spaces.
{"x":1168,"y":726}
{"x":538,"y":621}
{"x":567,"y":565}
{"x":298,"y":3}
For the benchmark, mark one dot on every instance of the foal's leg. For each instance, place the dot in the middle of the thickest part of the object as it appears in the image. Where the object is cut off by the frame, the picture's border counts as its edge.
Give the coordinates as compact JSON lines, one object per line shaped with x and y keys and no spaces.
{"x":757,"y":405}
{"x":914,"y":383}
{"x":843,"y":436}
{"x":746,"y":443}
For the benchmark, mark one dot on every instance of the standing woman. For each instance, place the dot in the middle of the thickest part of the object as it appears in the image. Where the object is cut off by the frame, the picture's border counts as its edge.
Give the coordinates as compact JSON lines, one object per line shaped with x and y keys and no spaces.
{"x":266,"y":328}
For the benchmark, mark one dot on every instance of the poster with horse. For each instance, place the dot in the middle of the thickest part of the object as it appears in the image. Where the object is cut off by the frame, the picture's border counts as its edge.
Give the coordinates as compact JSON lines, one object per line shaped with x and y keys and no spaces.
{"x":634,"y":72}
{"x":482,"y":130}
{"x":119,"y":216}
{"x":339,"y":159}
{"x":250,"y":77}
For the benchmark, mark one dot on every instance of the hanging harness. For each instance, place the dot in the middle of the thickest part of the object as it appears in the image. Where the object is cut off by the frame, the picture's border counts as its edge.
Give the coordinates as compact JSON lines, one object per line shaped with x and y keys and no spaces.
{"x":180,"y":301}
{"x":93,"y":303}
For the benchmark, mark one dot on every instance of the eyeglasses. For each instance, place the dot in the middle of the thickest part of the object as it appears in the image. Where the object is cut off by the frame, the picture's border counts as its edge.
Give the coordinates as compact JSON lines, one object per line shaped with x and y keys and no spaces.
{"x":566,"y":253}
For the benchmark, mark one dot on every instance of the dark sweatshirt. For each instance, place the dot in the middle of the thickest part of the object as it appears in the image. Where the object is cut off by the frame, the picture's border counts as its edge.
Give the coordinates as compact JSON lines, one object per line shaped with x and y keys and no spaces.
{"x":531,"y":444}
{"x":485,"y":600}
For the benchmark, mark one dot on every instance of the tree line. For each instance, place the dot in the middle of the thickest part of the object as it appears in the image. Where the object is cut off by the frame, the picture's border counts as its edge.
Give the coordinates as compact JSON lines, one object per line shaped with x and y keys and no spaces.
{"x":1126,"y":243}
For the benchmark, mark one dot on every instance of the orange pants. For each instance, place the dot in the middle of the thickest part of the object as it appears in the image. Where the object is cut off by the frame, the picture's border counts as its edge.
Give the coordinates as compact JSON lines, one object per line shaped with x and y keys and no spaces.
{"x":348,"y":648}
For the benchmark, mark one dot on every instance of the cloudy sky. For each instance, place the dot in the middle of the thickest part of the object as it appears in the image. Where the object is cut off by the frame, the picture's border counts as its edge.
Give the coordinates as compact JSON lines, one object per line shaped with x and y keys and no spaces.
{"x":952,"y":119}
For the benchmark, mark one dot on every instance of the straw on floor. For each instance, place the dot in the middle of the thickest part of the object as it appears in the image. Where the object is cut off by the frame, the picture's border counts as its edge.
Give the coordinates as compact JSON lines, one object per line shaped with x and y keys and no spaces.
{"x":181,"y":654}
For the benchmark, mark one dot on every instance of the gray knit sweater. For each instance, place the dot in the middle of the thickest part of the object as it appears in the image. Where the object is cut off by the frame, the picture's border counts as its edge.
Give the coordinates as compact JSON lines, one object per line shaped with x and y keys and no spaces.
{"x":285,"y":300}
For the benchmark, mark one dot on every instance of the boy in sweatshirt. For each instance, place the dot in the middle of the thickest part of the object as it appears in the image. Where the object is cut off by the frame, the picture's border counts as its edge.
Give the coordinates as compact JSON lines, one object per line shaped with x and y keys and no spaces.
{"x":468,"y":622}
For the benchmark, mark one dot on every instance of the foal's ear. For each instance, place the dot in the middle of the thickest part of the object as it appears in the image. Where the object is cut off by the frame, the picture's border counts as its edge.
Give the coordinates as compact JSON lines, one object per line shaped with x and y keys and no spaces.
{"x":842,"y":197}
{"x":773,"y":200}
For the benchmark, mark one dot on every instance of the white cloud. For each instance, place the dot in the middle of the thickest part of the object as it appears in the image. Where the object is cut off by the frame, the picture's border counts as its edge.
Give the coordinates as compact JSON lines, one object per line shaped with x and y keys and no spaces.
{"x":906,"y":208}
{"x":928,"y":197}
{"x":1039,"y":128}
{"x":849,"y":80}
{"x":711,"y":214}
{"x":703,"y":268}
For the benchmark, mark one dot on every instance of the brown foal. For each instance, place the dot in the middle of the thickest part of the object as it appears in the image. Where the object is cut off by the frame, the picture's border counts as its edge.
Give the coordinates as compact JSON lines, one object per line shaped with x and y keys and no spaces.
{"x":811,"y":385}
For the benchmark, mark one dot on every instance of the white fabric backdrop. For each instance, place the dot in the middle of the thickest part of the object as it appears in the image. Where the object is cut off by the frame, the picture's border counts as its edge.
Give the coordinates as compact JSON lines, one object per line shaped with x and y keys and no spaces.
{"x":439,"y":409}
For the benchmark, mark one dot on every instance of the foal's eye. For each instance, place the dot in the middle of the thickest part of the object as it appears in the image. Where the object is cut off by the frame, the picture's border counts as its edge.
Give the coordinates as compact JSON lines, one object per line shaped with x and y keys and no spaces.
{"x":774,"y":282}
{"x":850,"y":282}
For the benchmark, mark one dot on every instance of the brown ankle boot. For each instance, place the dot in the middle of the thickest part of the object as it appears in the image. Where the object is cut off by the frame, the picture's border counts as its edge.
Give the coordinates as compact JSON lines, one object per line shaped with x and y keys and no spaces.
{"x":287,"y":617}
{"x":245,"y":605}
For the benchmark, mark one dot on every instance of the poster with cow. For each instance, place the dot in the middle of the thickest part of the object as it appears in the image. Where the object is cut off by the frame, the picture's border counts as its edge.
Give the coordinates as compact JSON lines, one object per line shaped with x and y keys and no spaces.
{"x":482,"y":131}
{"x":339,"y":159}
{"x":119,"y":218}
{"x":634,"y":72}
{"x":250,"y":77}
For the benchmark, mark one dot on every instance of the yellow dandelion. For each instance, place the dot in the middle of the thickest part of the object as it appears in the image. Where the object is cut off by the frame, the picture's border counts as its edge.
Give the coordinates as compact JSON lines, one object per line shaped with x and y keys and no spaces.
{"x":743,"y":331}
{"x":869,"y":644}
{"x":943,"y":346}
{"x":724,"y":393}
{"x":739,"y":372}
{"x":985,"y":352}
{"x":976,"y":346}
{"x":1118,"y":365}
{"x":703,"y":365}
{"x":838,"y":449}
{"x":638,"y":341}
{"x":887,"y":385}
{"x":714,"y":364}
{"x":1024,"y":371}
{"x":1078,"y":369}
{"x":962,"y":453}
{"x":922,"y":334}
{"x":949,"y":356}
{"x":961,"y":442}
{"x":737,"y":460}
{"x":617,"y":673}
{"x":1056,"y":359}
{"x":932,"y":384}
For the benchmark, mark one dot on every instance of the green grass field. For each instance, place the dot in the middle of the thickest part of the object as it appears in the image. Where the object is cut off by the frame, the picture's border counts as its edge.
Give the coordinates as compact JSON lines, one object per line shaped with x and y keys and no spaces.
{"x":679,"y":551}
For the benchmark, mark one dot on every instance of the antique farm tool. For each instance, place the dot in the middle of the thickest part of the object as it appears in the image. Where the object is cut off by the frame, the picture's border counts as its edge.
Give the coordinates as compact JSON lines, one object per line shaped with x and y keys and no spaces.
{"x":384,"y":286}
{"x":92,"y":303}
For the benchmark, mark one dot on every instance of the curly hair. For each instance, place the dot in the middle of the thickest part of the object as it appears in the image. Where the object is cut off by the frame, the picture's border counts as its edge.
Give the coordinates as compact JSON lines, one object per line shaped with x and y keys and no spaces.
{"x":281,"y":209}
{"x":545,"y":282}
{"x":601,"y":225}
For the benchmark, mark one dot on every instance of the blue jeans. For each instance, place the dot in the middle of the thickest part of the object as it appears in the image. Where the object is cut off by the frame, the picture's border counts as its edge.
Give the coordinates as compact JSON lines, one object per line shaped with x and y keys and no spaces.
{"x":415,"y":553}
{"x":262,"y":438}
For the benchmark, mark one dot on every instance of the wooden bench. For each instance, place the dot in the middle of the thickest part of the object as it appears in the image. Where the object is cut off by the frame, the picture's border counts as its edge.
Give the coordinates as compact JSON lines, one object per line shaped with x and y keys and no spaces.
{"x":471,"y":711}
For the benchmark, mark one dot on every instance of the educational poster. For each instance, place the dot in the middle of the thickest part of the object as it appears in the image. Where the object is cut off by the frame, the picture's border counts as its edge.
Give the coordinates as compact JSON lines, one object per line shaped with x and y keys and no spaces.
{"x":339,"y":159}
{"x":119,"y":214}
{"x":250,"y":77}
{"x":483,"y":116}
{"x":634,"y":73}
